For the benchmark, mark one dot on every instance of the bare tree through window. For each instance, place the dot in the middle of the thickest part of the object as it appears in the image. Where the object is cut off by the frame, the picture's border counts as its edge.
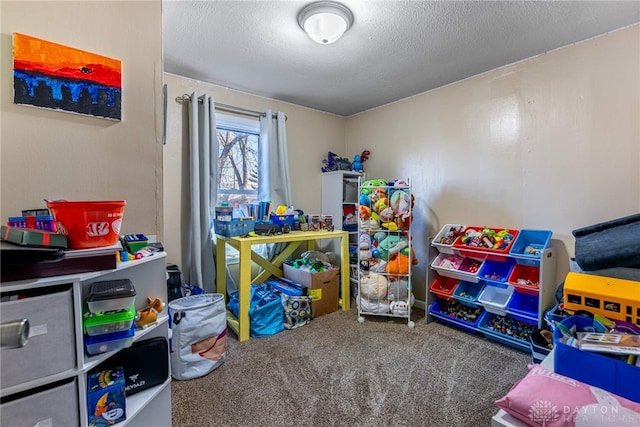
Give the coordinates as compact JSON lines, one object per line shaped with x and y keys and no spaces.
{"x":238,"y":175}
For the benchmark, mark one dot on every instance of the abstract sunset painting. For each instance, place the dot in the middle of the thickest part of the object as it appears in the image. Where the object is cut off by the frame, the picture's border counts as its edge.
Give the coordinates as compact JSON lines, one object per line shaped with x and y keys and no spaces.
{"x":51,"y":75}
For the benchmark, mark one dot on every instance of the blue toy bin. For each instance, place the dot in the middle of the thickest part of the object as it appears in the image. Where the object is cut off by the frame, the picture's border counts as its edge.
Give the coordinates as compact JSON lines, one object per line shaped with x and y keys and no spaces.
{"x":596,"y":369}
{"x":496,"y":271}
{"x":467,"y":293}
{"x":536,"y":240}
{"x":523,"y":304}
{"x":436,"y":310}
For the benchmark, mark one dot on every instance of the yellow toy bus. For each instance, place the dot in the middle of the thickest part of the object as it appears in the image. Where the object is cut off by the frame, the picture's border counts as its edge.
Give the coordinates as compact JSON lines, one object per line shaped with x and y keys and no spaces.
{"x":617,"y":299}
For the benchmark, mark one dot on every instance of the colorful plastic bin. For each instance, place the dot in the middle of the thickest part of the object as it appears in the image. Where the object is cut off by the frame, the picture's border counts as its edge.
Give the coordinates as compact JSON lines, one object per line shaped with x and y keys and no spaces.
{"x":236,"y":227}
{"x":88,"y":224}
{"x":467,"y":250}
{"x":444,"y":287}
{"x":593,"y":368}
{"x":495,"y":299}
{"x":109,"y":342}
{"x":496,"y":271}
{"x":471,"y":326}
{"x":525,"y":279}
{"x":446,"y":236}
{"x":282,"y":220}
{"x":110,"y":295}
{"x":520,"y":329}
{"x":456,"y":267}
{"x":528,"y":246}
{"x":100,"y":324}
{"x":523,"y":304}
{"x":467,"y":293}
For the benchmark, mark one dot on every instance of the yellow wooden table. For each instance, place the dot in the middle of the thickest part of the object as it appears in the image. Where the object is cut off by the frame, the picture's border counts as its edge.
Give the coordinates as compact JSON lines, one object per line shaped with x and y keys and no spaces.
{"x":293,"y":240}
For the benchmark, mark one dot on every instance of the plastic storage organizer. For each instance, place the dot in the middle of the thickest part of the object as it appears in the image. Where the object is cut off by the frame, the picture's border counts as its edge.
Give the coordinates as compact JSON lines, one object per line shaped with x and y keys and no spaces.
{"x":111,"y":295}
{"x":593,"y":368}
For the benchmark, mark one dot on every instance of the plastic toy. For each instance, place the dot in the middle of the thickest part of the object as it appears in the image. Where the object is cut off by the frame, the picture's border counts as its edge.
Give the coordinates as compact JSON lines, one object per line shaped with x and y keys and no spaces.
{"x":335,"y":163}
{"x":358,"y":160}
{"x":149,"y":314}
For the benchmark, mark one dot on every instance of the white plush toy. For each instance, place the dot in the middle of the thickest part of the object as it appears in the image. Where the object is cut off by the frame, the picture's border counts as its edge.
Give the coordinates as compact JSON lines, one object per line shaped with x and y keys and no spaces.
{"x":399,"y":307}
{"x":373,"y":286}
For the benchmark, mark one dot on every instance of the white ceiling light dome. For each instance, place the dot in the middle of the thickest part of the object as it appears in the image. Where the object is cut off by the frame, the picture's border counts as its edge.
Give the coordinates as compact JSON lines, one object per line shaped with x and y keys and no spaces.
{"x":325,"y":21}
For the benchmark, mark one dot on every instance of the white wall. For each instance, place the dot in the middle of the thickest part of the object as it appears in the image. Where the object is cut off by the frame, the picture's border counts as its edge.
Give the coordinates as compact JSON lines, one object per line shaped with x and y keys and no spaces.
{"x":310,"y":135}
{"x":552,"y":142}
{"x":60,"y":155}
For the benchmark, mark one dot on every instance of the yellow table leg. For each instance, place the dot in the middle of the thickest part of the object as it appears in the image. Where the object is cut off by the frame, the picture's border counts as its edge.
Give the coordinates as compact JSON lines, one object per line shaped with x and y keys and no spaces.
{"x":345,"y":300}
{"x":244,"y":290}
{"x":221,"y":270}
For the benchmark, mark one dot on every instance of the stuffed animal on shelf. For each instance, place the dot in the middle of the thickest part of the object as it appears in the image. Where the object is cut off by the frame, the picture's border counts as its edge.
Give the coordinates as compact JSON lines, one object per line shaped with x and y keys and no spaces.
{"x":366,"y":220}
{"x":369,"y":186}
{"x":400,"y":264}
{"x":373,"y":286}
{"x":364,"y":246}
{"x":391,"y":245}
{"x":399,"y":307}
{"x":149,"y":314}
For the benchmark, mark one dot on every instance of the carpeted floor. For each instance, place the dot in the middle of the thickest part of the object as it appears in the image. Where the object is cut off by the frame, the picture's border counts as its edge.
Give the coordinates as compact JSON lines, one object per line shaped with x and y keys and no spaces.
{"x":338,"y":372}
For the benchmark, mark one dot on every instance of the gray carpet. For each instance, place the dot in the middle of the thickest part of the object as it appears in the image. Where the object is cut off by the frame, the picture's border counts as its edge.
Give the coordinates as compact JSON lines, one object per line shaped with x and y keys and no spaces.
{"x":338,"y":372}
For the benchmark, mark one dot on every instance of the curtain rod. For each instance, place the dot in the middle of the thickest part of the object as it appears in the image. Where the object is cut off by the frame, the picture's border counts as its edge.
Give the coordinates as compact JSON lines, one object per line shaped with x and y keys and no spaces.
{"x":227,"y":108}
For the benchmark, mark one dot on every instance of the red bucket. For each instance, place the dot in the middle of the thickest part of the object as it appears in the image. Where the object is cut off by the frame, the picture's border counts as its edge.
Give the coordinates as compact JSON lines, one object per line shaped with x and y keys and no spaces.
{"x":88,"y":224}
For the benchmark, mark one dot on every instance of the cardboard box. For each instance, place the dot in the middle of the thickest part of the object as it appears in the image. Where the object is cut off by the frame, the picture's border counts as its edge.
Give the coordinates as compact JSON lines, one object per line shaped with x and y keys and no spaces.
{"x":323,"y":288}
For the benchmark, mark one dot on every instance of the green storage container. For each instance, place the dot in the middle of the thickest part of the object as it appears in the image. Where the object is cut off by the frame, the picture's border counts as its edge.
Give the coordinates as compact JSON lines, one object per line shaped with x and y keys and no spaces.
{"x":99,"y":324}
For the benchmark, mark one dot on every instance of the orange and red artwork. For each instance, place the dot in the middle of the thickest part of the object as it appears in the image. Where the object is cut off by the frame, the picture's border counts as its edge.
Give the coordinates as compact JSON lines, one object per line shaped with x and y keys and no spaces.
{"x":59,"y":77}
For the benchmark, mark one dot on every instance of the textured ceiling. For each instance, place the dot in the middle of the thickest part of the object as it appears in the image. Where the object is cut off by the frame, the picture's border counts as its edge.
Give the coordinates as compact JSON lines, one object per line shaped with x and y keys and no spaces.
{"x":395,"y":49}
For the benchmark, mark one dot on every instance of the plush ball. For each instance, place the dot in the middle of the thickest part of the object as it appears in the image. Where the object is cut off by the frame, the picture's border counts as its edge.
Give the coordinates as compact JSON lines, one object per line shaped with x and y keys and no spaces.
{"x":373,"y":286}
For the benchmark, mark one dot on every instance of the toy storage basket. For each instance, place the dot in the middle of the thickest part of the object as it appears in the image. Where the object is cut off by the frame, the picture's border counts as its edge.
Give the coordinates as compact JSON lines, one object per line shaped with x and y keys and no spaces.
{"x":199,"y":340}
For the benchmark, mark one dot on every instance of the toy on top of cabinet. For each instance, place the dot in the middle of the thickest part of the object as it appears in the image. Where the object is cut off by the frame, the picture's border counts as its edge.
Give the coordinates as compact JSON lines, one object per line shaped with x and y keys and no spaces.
{"x":358,"y":160}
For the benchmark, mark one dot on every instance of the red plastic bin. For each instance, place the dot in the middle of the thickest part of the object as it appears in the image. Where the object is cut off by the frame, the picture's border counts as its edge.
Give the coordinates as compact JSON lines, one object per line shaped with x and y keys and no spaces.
{"x":444,"y":287}
{"x":525,"y":279}
{"x":88,"y":224}
{"x":478,"y":252}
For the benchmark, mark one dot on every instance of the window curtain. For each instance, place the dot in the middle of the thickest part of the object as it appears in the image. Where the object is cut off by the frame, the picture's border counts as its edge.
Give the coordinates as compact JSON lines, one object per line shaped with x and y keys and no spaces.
{"x":197,"y":258}
{"x":274,"y":160}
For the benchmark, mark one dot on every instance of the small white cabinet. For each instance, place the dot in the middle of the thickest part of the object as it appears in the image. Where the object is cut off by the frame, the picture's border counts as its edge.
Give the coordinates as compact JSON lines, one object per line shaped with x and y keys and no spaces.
{"x":55,"y":308}
{"x":340,"y":200}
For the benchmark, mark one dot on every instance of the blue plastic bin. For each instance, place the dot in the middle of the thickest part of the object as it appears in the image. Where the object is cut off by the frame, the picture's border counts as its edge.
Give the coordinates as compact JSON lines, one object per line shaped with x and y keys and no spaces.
{"x":496,"y":271}
{"x":282,"y":219}
{"x":523,"y":329}
{"x":233,"y":228}
{"x":523,"y":304}
{"x":529,"y":245}
{"x":437,"y":306}
{"x":467,"y":293}
{"x":592,"y":368}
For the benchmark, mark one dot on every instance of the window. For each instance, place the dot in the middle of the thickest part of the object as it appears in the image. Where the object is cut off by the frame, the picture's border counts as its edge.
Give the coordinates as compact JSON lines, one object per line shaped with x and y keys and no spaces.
{"x":238,"y":168}
{"x":238,"y":173}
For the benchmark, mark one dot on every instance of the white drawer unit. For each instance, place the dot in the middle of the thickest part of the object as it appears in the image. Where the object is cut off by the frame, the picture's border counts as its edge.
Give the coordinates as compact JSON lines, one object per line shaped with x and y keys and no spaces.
{"x":53,"y":407}
{"x":51,"y":333}
{"x":44,"y":382}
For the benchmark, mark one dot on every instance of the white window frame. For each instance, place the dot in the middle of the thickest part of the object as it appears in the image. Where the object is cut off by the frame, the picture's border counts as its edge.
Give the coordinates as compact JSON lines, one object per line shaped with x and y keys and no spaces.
{"x":240,"y":124}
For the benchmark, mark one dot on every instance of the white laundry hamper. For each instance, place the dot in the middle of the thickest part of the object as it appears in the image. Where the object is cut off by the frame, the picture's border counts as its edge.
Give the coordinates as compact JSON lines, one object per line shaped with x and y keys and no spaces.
{"x":199,"y":335}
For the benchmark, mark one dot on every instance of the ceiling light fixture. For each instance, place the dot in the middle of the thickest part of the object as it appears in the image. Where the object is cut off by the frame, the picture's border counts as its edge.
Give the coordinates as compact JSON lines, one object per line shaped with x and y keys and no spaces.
{"x":325,"y":21}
